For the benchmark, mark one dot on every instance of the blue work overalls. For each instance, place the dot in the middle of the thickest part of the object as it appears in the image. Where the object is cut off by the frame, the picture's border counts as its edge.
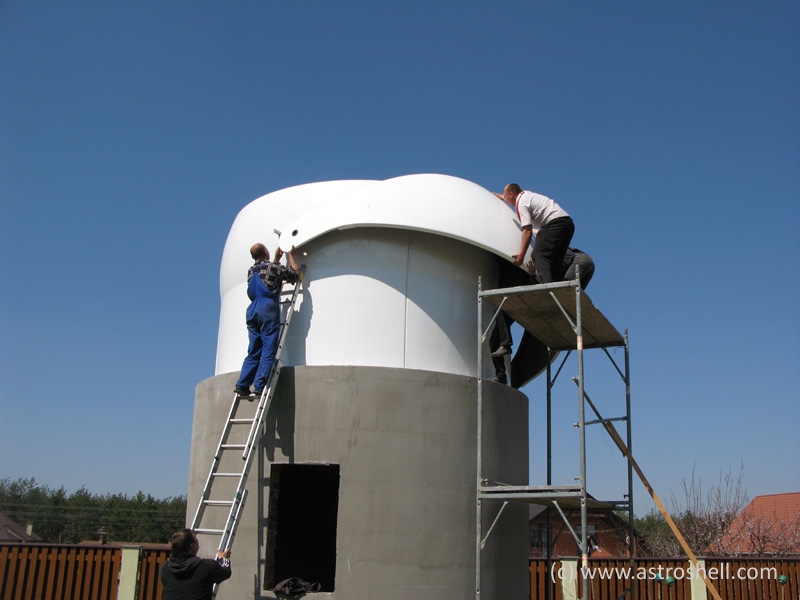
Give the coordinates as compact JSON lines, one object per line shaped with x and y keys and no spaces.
{"x":263,"y":327}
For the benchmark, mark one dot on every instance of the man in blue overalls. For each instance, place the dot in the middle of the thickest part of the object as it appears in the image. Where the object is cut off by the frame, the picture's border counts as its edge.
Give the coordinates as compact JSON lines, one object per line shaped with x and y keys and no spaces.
{"x":264,"y":282}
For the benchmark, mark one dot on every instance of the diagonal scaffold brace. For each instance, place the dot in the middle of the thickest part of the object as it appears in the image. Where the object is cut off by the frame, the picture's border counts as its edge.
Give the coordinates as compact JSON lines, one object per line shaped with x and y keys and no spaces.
{"x":612,"y":432}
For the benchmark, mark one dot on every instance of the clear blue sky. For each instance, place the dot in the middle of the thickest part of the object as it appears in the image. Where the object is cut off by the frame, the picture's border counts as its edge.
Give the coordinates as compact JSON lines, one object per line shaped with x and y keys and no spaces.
{"x":132,"y":133}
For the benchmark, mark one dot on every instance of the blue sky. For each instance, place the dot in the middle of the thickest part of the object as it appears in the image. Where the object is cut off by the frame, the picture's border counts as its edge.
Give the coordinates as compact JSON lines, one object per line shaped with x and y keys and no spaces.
{"x":132,"y":133}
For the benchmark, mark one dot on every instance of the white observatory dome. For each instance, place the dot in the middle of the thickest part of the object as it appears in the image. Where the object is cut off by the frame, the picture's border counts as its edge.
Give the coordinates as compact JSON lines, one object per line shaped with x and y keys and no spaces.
{"x":391,"y":270}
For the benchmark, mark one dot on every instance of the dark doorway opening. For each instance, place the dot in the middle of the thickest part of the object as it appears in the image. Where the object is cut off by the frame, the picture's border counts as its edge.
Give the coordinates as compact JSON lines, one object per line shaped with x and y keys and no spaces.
{"x":301,"y":529}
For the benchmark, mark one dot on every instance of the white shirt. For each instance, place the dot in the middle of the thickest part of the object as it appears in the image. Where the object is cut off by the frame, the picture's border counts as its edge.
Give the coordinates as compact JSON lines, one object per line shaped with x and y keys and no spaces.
{"x":537,"y":210}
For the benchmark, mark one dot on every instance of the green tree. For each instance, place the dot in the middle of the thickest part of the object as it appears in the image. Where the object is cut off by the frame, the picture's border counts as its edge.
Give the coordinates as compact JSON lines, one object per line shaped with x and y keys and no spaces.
{"x":80,"y":516}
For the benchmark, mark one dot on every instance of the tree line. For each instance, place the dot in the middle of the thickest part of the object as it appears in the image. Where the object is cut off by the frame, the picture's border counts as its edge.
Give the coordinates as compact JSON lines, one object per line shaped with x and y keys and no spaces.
{"x":62,"y":518}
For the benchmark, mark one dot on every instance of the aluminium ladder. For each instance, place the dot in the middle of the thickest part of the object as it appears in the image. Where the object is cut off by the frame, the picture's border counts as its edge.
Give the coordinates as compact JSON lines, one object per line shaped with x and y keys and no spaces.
{"x":236,"y":503}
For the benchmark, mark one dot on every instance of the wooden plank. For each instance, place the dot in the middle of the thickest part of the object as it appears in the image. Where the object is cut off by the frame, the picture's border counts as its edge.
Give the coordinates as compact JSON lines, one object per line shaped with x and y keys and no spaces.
{"x":22,"y":559}
{"x":4,"y":562}
{"x":559,"y":592}
{"x":145,"y":575}
{"x":597,"y":331}
{"x":538,"y":313}
{"x":104,"y":576}
{"x":116,"y":565}
{"x":109,"y":576}
{"x":149,"y":580}
{"x":10,"y":575}
{"x":74,"y":574}
{"x":539,"y":579}
{"x":94,"y":567}
{"x":792,"y":571}
{"x":713,"y":564}
{"x":736,"y":585}
{"x":35,"y":574}
{"x":51,"y":569}
{"x":92,"y":578}
{"x":64,"y":567}
{"x":567,"y":502}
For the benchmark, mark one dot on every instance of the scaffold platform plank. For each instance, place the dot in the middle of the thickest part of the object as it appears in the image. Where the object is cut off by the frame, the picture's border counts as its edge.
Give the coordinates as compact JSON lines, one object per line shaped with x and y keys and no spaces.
{"x":572,"y":503}
{"x":536,"y":310}
{"x":569,"y":499}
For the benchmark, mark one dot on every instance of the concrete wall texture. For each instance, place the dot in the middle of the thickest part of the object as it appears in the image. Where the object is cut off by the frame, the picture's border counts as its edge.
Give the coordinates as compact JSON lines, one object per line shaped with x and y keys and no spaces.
{"x":405,"y":444}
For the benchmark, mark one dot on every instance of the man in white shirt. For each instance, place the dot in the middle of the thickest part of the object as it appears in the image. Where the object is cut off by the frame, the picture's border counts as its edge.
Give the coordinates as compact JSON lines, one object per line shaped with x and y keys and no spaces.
{"x":552,"y":226}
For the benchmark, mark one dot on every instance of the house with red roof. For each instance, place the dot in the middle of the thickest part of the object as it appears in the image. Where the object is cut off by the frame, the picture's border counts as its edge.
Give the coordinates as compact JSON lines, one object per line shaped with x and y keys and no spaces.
{"x":768,"y":526}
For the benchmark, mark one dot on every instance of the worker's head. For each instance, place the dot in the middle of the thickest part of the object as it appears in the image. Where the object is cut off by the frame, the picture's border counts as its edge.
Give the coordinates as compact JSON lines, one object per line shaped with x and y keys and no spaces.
{"x":259,"y":252}
{"x":510,"y":193}
{"x":184,"y":544}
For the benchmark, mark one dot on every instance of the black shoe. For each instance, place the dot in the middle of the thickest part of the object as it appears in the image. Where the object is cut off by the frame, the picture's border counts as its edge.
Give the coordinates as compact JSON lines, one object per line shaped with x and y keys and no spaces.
{"x":502,"y":351}
{"x":257,"y":393}
{"x":243,"y":392}
{"x":501,"y":379}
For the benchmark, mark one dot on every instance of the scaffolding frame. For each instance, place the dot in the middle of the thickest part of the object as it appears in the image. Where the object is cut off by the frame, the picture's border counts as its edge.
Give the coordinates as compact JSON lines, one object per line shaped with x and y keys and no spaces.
{"x":548,"y":313}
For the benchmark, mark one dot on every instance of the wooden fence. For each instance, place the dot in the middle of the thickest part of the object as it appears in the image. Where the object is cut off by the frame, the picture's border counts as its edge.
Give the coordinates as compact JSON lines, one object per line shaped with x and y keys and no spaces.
{"x":668,"y":579}
{"x":757,"y":579}
{"x":68,"y":572}
{"x":57,"y":572}
{"x":541,"y":580}
{"x":62,"y":572}
{"x":150,"y":562}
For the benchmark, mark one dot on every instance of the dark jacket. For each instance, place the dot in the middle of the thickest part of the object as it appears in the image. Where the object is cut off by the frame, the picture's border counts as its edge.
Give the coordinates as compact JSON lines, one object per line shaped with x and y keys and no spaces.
{"x":192,"y":578}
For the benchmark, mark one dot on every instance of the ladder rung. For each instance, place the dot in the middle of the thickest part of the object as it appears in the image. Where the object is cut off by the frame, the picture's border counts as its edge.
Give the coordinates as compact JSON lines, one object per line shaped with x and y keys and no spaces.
{"x":233,"y":446}
{"x":227,"y":474}
{"x":218,"y":502}
{"x":210,"y":531}
{"x":241,"y":421}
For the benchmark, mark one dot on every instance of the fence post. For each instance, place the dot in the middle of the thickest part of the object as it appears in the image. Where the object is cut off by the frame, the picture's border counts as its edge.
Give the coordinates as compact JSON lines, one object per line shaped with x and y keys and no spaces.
{"x":129,"y":572}
{"x":697,"y":584}
{"x":569,"y":578}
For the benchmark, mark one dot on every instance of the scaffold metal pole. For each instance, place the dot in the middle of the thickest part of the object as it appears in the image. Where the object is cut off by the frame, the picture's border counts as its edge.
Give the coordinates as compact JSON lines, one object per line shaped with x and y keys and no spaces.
{"x":631,"y":534}
{"x":582,"y":434}
{"x":479,"y":443}
{"x":548,"y":592}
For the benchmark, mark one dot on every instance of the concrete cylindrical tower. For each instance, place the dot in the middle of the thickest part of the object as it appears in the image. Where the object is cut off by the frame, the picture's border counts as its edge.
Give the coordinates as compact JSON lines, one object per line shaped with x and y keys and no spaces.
{"x":366,"y":477}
